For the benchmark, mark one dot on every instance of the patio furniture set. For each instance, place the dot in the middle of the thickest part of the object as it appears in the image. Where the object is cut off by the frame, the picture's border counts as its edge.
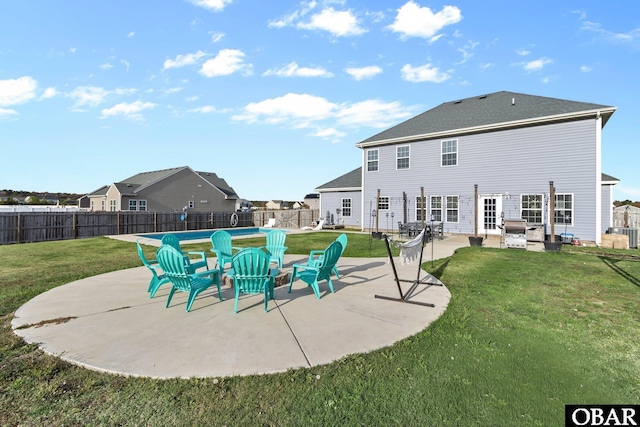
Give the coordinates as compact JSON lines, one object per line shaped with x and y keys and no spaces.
{"x":412,"y":229}
{"x":250,"y":271}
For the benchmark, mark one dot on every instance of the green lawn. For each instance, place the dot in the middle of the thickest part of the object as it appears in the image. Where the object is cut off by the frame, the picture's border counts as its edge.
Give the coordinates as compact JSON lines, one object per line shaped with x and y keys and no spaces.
{"x":525,"y":333}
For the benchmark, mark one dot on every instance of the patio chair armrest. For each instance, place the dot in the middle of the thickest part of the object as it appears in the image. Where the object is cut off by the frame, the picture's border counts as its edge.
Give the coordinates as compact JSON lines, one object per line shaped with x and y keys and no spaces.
{"x":237,"y":248}
{"x":201,"y":253}
{"x":207,"y":273}
{"x":301,"y":266}
{"x":316,"y":253}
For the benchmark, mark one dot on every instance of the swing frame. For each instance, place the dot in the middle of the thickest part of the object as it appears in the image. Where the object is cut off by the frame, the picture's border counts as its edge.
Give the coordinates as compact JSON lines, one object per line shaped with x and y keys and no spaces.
{"x":404,"y":297}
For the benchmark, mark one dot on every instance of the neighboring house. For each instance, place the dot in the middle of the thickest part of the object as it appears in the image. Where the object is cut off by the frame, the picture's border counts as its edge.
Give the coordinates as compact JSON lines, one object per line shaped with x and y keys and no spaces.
{"x":276,"y":204}
{"x":297,"y":205}
{"x":169,"y":190}
{"x":512,"y":146}
{"x":312,"y":200}
{"x":343,"y":193}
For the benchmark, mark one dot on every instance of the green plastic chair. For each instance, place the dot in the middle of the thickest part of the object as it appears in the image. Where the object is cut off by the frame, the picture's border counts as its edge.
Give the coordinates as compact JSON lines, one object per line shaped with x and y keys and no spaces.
{"x":315,"y":257}
{"x":275,"y":246}
{"x":172,"y":263}
{"x":157,"y":280}
{"x":191,"y":264}
{"x":222,"y":246}
{"x":252,"y":274}
{"x":311,"y":274}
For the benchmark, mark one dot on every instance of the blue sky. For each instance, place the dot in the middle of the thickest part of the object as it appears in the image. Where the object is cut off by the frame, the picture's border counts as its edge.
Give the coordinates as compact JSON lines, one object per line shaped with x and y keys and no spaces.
{"x":273,"y":96}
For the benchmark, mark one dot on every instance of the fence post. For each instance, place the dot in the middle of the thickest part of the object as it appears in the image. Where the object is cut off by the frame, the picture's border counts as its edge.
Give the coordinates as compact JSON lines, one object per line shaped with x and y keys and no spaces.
{"x":74,"y":220}
{"x":19,"y":228}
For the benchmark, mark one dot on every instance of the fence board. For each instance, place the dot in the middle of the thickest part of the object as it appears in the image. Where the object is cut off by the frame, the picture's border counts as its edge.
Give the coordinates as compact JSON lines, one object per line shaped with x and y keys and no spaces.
{"x":21,"y":227}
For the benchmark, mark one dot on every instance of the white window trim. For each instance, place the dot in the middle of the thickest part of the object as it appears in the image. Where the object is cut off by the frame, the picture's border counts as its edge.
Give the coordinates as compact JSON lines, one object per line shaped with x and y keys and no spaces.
{"x":350,"y":206}
{"x":408,"y":156}
{"x":541,"y":209}
{"x":573,"y":204}
{"x":441,"y":210}
{"x":377,"y":159}
{"x":442,"y":153}
{"x":446,"y":209}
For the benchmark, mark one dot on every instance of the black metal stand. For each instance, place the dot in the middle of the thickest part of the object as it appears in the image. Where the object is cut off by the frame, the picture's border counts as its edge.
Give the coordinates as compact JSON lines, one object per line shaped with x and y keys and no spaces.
{"x":404,"y":297}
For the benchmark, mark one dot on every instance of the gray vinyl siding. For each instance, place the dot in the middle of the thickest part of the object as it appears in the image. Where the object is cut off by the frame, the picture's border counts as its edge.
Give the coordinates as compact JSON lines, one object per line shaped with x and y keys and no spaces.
{"x":330,"y":201}
{"x":607,"y":207}
{"x":516,"y":161}
{"x":175,"y":192}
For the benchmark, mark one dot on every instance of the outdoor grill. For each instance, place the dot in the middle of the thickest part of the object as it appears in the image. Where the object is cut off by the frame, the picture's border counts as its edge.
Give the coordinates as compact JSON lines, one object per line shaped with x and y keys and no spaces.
{"x":515,"y":233}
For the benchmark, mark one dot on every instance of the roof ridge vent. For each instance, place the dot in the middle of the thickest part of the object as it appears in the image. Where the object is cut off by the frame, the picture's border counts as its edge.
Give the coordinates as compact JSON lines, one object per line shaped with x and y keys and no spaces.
{"x":458,"y":101}
{"x":483,"y":97}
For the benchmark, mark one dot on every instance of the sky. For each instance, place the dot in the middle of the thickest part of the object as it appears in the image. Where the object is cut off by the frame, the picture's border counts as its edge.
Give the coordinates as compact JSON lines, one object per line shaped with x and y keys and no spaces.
{"x":272,"y":96}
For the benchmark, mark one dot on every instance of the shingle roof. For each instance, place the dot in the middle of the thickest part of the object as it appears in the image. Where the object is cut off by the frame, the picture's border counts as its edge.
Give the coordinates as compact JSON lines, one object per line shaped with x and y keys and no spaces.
{"x":485,"y":111}
{"x":351,"y":179}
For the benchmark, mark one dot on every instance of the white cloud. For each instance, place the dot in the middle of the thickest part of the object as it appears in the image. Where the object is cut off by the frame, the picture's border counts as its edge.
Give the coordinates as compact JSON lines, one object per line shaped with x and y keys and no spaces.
{"x":339,"y":23}
{"x":228,"y":61}
{"x":293,"y":70}
{"x":171,"y":90}
{"x":628,"y":37}
{"x":6,"y":113}
{"x":215,"y":36}
{"x":415,"y":21}
{"x":131,"y":34}
{"x":585,"y":68}
{"x":215,"y":5}
{"x":292,"y":106}
{"x":363,"y":72}
{"x":207,"y":109}
{"x":467,"y":52}
{"x":182,"y":60}
{"x":106,"y":66}
{"x":327,"y":118}
{"x":536,"y":65}
{"x":49,"y":92}
{"x":523,"y":52}
{"x":372,"y":113}
{"x":72,"y":50}
{"x":295,"y":16}
{"x":125,"y":63}
{"x":88,"y":95}
{"x":129,"y":110}
{"x":17,"y":91}
{"x":192,"y":98}
{"x":424,"y":73}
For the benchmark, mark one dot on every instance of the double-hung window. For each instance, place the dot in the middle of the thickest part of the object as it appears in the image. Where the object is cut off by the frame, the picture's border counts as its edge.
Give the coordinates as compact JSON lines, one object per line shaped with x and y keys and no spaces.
{"x":346,"y":207}
{"x":563,"y":211}
{"x":112,"y":205}
{"x":436,"y":208}
{"x":531,"y":208}
{"x":142,"y":205}
{"x":133,"y":205}
{"x":420,"y":208}
{"x":402,"y":157}
{"x":383,"y":203}
{"x":450,"y":152}
{"x":452,"y":208}
{"x":372,"y":160}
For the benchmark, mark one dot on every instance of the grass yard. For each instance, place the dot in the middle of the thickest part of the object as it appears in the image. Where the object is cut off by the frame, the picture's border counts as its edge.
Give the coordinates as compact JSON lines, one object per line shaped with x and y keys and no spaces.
{"x":525,"y":333}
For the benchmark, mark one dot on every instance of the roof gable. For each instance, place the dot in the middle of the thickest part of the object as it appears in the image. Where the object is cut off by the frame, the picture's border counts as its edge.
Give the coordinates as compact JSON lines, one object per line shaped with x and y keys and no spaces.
{"x":495,"y":110}
{"x":349,"y":180}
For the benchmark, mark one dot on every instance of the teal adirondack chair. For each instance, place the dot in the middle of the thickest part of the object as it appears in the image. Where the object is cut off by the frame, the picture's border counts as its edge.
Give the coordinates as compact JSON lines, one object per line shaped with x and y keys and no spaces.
{"x":172,"y":263}
{"x":252,"y":274}
{"x":192,"y":264}
{"x":157,"y":280}
{"x":222,"y":246}
{"x":311,"y":274}
{"x":315,"y":257}
{"x":275,"y":246}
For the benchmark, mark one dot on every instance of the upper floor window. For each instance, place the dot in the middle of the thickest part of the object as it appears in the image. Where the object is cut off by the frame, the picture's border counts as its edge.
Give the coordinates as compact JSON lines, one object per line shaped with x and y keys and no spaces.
{"x":112,"y":205}
{"x":531,"y":208}
{"x":346,"y":207}
{"x":402,"y":157}
{"x":133,"y":205}
{"x":563,"y":212}
{"x":142,"y":205}
{"x":450,"y":152}
{"x":372,"y":160}
{"x":452,"y":209}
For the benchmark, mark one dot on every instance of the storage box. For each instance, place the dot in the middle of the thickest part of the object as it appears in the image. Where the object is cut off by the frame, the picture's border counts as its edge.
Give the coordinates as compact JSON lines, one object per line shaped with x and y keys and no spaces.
{"x":566,"y":238}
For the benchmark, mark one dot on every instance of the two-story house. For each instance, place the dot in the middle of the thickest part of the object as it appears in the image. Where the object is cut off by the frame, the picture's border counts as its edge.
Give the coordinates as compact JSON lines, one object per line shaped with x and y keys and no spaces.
{"x":168,"y":190}
{"x":517,"y":149}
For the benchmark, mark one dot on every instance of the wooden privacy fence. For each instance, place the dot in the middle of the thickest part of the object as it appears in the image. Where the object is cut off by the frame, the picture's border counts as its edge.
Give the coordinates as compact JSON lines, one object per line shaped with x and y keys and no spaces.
{"x":24,"y":227}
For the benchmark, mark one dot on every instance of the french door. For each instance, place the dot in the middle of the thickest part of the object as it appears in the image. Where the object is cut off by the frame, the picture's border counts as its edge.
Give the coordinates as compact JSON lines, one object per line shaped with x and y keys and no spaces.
{"x":489,"y":209}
